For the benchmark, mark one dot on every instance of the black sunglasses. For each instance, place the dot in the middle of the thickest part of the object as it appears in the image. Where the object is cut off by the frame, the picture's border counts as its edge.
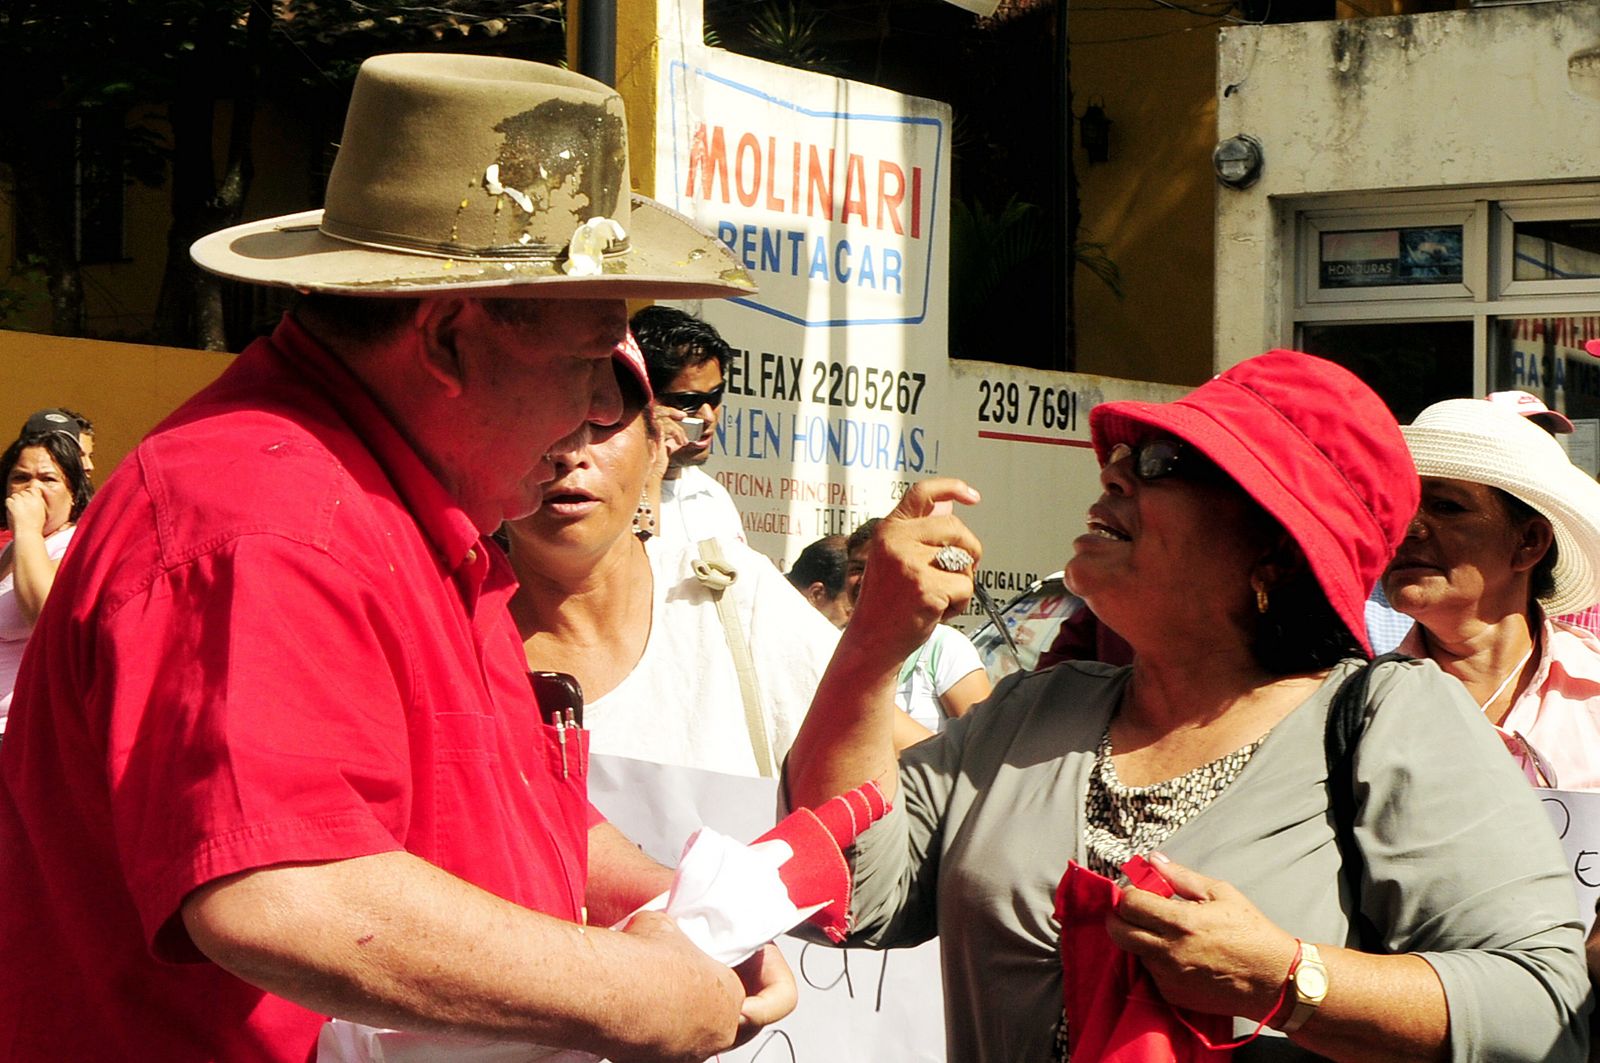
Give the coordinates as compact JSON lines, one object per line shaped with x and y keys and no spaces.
{"x":1156,"y":459}
{"x":690,"y":401}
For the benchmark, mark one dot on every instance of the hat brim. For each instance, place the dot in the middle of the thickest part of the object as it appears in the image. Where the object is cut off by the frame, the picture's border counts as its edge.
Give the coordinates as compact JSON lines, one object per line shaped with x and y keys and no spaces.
{"x":670,"y":257}
{"x":1566,"y":497}
{"x":1128,"y":421}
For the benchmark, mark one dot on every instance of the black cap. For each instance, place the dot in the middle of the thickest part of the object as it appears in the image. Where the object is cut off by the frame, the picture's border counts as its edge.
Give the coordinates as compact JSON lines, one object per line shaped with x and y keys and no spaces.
{"x":52,"y":421}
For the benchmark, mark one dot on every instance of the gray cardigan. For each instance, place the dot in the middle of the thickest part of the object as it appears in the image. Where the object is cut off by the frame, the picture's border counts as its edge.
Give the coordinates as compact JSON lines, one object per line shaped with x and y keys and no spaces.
{"x":1462,"y":866}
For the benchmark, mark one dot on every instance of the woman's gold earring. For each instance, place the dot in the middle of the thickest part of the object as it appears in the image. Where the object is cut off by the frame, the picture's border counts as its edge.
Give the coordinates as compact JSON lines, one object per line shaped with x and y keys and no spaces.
{"x":1261,"y":596}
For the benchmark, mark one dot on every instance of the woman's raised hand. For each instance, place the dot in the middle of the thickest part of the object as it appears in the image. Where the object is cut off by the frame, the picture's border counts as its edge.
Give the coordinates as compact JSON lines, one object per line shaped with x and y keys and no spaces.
{"x":1208,"y":948}
{"x":903,"y":593}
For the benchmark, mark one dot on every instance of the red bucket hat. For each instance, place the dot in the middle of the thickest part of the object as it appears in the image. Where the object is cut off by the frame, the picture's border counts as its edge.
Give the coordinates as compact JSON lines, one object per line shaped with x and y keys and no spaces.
{"x":1313,"y":445}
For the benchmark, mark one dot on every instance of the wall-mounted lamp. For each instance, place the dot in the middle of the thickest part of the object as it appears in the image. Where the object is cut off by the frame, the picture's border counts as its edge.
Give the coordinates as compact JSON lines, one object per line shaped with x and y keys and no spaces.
{"x":1238,"y":161}
{"x":1094,"y":133}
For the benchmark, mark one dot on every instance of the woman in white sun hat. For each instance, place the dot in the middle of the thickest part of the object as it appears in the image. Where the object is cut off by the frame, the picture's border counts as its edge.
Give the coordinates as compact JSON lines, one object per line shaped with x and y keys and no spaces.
{"x":1507,"y":537}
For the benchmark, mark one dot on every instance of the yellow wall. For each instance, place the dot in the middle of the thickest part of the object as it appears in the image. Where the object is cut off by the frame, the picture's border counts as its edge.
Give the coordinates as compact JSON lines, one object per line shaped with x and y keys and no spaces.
{"x":1153,"y":203}
{"x":124,"y":388}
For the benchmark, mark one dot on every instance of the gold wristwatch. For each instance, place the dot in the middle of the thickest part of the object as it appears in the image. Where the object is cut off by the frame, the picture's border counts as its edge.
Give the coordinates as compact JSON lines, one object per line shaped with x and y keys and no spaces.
{"x":1308,"y":981}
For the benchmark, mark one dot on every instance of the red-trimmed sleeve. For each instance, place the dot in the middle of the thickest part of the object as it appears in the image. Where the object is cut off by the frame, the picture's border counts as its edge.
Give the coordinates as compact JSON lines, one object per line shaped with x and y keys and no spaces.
{"x":256,"y":711}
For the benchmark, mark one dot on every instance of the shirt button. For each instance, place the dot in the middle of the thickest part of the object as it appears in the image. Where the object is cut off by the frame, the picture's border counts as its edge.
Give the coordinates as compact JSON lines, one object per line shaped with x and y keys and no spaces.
{"x":472,"y":557}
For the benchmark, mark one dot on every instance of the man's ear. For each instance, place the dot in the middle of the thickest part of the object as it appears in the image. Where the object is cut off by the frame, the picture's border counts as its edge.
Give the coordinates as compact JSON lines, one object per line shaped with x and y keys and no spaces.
{"x":1533,"y":543}
{"x":438,"y":325}
{"x":817,"y":593}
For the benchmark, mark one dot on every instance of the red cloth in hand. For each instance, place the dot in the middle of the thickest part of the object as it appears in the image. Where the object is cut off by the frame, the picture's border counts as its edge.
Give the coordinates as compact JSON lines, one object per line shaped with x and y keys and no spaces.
{"x":1115,"y":1012}
{"x":818,"y":872}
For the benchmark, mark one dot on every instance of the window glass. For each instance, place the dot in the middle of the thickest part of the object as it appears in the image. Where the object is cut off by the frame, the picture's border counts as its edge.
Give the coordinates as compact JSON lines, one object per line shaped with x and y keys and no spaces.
{"x":1397,"y":257}
{"x":1411,"y":364}
{"x":1557,"y":250}
{"x":1545,"y":356}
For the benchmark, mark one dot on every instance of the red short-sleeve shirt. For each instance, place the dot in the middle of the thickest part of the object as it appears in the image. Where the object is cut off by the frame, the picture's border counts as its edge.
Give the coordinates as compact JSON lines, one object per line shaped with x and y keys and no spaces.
{"x":277,"y":639}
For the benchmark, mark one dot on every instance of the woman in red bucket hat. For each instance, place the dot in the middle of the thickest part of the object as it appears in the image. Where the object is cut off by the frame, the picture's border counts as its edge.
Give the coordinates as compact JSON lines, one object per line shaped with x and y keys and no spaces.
{"x":1240,"y":876}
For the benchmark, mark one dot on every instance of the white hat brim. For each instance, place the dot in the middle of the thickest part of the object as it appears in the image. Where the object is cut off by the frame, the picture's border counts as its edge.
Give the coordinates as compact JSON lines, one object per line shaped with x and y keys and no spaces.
{"x":1563,"y":493}
{"x":670,"y":257}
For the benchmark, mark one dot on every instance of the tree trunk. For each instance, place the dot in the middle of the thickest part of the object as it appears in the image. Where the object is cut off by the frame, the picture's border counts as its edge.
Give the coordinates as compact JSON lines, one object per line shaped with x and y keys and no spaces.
{"x":190,"y":311}
{"x":46,"y":210}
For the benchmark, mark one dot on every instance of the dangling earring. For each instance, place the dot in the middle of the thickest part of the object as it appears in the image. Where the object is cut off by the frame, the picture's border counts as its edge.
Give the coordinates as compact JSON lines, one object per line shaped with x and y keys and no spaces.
{"x":1261,"y":595}
{"x":644,"y":518}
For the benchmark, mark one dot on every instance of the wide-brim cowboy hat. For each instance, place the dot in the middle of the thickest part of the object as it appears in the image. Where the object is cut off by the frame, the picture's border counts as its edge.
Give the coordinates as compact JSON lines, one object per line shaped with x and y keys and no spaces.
{"x":497,"y":176}
{"x":1480,"y":442}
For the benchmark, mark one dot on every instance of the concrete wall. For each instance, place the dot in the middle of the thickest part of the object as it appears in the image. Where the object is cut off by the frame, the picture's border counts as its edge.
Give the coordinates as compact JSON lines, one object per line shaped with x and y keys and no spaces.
{"x":1413,"y":102}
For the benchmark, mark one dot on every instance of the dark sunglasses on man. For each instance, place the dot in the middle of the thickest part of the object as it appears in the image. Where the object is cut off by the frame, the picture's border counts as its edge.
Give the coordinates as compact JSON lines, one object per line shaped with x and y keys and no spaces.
{"x":690,"y":401}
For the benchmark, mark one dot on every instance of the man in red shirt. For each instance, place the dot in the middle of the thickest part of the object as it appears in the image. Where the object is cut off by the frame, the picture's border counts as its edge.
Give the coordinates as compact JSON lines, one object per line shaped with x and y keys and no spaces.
{"x":274,"y":754}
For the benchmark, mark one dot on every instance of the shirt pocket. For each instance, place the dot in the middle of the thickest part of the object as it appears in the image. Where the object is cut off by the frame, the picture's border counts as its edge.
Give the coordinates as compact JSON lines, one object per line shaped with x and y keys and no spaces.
{"x":466,"y":737}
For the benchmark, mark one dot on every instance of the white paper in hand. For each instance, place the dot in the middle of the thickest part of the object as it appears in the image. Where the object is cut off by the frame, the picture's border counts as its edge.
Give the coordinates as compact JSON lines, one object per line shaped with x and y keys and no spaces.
{"x":726,"y":897}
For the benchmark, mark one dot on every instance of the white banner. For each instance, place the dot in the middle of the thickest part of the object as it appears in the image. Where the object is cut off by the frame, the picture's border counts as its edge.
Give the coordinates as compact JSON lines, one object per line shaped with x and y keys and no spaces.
{"x":856,"y":1005}
{"x":1576,"y":816}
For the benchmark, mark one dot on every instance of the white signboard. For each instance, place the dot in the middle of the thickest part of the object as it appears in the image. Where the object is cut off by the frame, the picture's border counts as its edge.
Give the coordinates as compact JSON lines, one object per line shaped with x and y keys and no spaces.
{"x":856,"y":1005}
{"x":1576,"y":816}
{"x":835,"y":196}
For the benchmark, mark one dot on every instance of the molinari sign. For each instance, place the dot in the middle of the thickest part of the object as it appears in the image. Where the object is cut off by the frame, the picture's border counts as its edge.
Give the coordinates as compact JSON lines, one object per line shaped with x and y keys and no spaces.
{"x":839,"y":199}
{"x":841,"y":393}
{"x":833,"y":195}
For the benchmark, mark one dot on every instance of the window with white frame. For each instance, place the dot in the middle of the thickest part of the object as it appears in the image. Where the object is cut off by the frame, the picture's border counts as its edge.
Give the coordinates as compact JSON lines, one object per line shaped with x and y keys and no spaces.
{"x":1459,"y":292}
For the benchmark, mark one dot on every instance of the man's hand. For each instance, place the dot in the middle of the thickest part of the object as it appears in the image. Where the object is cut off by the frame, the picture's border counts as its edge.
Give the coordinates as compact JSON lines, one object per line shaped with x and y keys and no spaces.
{"x":390,"y":940}
{"x":770,"y":991}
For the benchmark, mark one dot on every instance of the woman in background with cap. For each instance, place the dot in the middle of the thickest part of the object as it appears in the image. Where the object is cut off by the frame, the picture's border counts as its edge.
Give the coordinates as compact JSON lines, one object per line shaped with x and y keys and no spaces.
{"x":1506,"y":539}
{"x":1237,"y":535}
{"x":46,"y":490}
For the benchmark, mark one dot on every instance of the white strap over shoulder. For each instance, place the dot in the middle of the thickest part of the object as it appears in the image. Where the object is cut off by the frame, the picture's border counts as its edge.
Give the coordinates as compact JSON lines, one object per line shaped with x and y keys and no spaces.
{"x":717,"y":575}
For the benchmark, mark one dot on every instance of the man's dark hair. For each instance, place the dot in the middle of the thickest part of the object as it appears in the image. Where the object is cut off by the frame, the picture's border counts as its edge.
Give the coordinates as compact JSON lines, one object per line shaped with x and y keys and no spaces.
{"x":673,"y":341}
{"x":65,"y":452}
{"x":354,"y":318}
{"x":85,"y":426}
{"x":822,"y":562}
{"x":862,"y":535}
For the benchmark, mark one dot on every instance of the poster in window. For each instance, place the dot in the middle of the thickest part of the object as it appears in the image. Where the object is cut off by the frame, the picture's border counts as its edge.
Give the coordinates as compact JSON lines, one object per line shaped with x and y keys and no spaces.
{"x":1370,"y":258}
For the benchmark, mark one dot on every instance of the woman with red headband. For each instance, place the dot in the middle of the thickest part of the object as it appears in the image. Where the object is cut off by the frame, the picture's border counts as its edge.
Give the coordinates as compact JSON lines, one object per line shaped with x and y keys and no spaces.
{"x":1239,"y":530}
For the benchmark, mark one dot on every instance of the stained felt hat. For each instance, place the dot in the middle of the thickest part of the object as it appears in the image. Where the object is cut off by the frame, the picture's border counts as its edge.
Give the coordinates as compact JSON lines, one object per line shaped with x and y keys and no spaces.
{"x":1313,"y":445}
{"x":496,"y":176}
{"x":1476,"y":441}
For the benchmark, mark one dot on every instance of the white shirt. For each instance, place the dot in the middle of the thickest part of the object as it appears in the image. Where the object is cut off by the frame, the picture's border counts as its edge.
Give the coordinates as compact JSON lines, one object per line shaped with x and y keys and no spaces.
{"x":14,"y":627}
{"x":939,"y":664}
{"x":695,"y":506}
{"x":681,"y":704}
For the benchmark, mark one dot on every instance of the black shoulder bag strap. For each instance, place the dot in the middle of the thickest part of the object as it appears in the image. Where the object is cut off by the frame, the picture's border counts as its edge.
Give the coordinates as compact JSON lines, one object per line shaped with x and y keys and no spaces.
{"x":1347,"y":718}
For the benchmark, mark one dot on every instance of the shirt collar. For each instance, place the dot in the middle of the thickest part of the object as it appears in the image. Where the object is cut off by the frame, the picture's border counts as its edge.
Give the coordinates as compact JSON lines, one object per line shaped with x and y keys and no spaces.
{"x":437,"y":513}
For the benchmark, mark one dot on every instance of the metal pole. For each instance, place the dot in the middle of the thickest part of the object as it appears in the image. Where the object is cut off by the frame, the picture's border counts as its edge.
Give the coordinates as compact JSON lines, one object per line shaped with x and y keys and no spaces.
{"x":1064,"y":305}
{"x":597,"y":39}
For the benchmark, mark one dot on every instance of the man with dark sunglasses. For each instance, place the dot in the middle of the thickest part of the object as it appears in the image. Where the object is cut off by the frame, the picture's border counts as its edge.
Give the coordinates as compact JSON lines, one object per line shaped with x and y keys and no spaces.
{"x":687,"y":359}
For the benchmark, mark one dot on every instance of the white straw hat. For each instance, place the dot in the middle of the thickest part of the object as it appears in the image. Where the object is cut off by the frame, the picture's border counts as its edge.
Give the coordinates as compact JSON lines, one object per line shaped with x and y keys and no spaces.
{"x":1480,"y":442}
